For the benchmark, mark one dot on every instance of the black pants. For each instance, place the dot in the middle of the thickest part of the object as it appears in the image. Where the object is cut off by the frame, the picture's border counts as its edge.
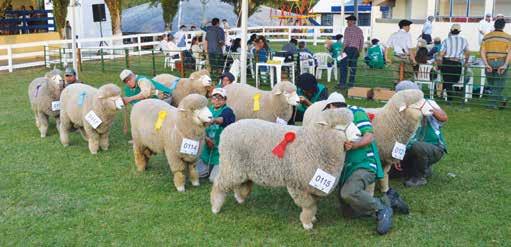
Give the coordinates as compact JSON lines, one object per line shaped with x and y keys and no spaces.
{"x":426,"y":37}
{"x":419,"y":158}
{"x":451,"y":73}
{"x":297,"y":116}
{"x":350,"y":62}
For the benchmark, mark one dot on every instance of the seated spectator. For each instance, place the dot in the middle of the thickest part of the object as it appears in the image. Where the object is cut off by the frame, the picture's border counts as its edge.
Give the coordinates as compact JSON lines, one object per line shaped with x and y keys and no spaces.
{"x":421,"y":56}
{"x":425,"y":148}
{"x":251,"y":40}
{"x":302,"y":48}
{"x":375,"y":55}
{"x":180,"y":37}
{"x":290,"y":48}
{"x":437,"y":46}
{"x":171,"y":48}
{"x":261,"y":56}
{"x":236,"y":46}
{"x":196,"y":48}
{"x":310,"y":91}
{"x":337,"y":47}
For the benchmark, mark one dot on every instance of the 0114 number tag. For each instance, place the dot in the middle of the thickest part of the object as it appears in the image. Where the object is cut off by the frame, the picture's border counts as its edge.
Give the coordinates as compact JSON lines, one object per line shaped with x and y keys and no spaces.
{"x":93,"y":119}
{"x":399,"y":150}
{"x":189,"y":146}
{"x":322,"y":181}
{"x":55,"y":105}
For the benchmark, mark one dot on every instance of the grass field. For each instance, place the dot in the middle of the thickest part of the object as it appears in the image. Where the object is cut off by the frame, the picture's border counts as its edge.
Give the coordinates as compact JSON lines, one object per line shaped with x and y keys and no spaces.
{"x":51,"y":195}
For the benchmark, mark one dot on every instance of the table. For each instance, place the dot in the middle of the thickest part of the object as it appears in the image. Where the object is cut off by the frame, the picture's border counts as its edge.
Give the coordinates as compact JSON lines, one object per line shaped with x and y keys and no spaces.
{"x":278,"y":71}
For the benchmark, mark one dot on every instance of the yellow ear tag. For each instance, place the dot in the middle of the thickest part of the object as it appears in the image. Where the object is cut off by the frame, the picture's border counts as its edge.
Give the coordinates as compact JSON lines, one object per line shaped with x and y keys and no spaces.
{"x":257,"y":106}
{"x":159,"y":121}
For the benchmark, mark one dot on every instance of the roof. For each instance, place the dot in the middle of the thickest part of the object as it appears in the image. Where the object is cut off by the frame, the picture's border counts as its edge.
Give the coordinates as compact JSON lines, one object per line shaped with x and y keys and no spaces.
{"x":334,"y":6}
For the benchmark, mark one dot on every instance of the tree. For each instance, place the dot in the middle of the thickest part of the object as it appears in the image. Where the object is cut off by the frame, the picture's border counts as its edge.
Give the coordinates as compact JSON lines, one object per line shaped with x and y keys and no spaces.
{"x":170,"y":8}
{"x":253,"y":6}
{"x":114,"y":6}
{"x":60,"y":14}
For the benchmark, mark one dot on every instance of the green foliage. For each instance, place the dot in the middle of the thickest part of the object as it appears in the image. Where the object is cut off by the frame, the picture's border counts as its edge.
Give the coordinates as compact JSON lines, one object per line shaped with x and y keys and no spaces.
{"x":60,"y":14}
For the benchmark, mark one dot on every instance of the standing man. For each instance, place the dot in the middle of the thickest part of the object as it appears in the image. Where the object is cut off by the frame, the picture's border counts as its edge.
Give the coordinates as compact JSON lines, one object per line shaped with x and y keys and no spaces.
{"x":215,"y":40}
{"x":353,"y":44}
{"x":70,"y":77}
{"x":454,"y":54}
{"x":400,"y":43}
{"x":427,"y":29}
{"x":496,"y":55}
{"x":485,"y":26}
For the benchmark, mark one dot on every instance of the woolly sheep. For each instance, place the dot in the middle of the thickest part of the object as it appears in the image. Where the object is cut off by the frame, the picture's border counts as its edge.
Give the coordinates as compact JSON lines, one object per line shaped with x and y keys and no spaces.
{"x":43,"y":93}
{"x":274,"y":104}
{"x":199,"y":82}
{"x":180,"y":126}
{"x":78,"y":101}
{"x":246,"y":157}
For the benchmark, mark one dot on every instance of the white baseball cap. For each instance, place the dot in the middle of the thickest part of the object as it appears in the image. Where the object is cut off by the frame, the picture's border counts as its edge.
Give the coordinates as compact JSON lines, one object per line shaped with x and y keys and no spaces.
{"x":220,"y":91}
{"x":335,"y":97}
{"x":125,"y":74}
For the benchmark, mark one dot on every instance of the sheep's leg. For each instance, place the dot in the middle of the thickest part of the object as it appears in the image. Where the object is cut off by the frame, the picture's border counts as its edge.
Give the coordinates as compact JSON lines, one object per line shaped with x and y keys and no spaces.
{"x":93,"y":140}
{"x":194,"y":175}
{"x":217,"y":198}
{"x":177,"y":166}
{"x":103,"y":141}
{"x":65,"y":125}
{"x":57,"y":123}
{"x":140,"y":158}
{"x":83,"y":134}
{"x":43,"y":124}
{"x":243,"y":191}
{"x":308,"y":204}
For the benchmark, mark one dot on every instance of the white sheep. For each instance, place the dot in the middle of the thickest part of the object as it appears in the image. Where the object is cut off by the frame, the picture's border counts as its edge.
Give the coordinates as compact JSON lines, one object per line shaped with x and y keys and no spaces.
{"x":273,"y":105}
{"x":246,"y":157}
{"x":44,"y":95}
{"x":90,"y":110}
{"x":199,"y":82}
{"x":157,"y":127}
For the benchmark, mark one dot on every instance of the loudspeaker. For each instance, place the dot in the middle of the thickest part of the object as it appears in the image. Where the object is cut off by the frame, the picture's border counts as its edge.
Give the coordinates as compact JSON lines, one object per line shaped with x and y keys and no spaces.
{"x":98,"y":12}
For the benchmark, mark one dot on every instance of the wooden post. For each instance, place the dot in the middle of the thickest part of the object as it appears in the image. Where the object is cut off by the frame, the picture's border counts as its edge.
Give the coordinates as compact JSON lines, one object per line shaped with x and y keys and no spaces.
{"x":182,"y":69}
{"x":401,"y":71}
{"x":79,"y":57}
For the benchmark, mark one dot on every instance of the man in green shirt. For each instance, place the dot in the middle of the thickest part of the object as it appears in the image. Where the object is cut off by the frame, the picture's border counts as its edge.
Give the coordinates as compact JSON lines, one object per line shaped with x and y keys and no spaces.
{"x":310,"y":91}
{"x":362,"y":167}
{"x":139,"y":88}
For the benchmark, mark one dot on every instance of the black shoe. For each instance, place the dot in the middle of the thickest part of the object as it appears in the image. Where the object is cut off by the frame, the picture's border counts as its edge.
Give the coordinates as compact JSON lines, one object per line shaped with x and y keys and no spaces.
{"x":415,"y":182}
{"x":396,"y":202}
{"x":384,"y":216}
{"x":428,"y":172}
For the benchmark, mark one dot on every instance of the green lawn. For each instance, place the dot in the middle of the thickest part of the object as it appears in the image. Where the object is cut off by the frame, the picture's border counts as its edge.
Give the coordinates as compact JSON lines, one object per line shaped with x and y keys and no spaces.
{"x":51,"y":195}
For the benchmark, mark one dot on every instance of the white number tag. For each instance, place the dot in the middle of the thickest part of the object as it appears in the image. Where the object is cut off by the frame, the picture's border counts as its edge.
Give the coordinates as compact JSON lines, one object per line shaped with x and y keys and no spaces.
{"x":322,"y":181}
{"x":281,"y":121}
{"x":55,"y":105}
{"x":119,"y":103}
{"x":93,"y":119}
{"x":189,"y":147}
{"x":399,"y":150}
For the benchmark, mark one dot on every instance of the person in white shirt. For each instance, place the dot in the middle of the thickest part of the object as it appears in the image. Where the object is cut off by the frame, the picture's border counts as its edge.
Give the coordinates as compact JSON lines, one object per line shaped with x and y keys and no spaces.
{"x":485,"y":26}
{"x":400,"y":44}
{"x":427,"y":29}
{"x":181,"y":36}
{"x":225,"y":24}
{"x":170,"y":48}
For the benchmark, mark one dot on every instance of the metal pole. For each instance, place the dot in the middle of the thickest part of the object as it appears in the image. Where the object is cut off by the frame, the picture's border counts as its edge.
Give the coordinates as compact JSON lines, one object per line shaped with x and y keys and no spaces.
{"x":180,"y":12}
{"x":244,"y":34}
{"x":342,"y":15}
{"x":355,"y":12}
{"x":73,"y":34}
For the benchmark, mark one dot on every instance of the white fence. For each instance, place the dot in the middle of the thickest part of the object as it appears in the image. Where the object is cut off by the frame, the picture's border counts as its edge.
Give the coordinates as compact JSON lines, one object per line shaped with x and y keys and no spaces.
{"x":33,"y":54}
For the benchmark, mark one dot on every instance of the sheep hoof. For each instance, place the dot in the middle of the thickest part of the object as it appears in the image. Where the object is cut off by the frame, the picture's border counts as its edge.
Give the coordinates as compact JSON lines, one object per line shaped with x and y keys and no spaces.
{"x":239,"y":199}
{"x":43,"y":136}
{"x":215,"y":210}
{"x":314,"y":219}
{"x":307,"y":226}
{"x":94,"y":152}
{"x":181,"y":189}
{"x":195,"y":183}
{"x":65,"y":145}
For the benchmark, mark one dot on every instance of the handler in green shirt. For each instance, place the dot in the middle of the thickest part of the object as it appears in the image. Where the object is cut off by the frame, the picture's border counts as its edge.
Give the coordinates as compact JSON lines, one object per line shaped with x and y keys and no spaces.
{"x":362,"y":167}
{"x":222,"y":117}
{"x":139,"y":88}
{"x":310,"y":91}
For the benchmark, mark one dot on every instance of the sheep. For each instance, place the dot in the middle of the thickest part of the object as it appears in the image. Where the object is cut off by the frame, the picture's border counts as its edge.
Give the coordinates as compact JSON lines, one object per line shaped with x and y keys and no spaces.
{"x":79,"y":102}
{"x":199,"y":82}
{"x":273,"y":105}
{"x":177,"y":127}
{"x":44,"y":94}
{"x":246,"y":158}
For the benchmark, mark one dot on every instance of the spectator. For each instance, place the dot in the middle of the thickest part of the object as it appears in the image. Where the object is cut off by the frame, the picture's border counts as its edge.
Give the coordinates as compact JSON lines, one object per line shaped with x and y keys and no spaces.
{"x":193,"y":28}
{"x":310,"y":92}
{"x":353,"y":44}
{"x":437,"y":46}
{"x":226,"y":79}
{"x":496,"y":55}
{"x":375,"y":55}
{"x":302,"y":47}
{"x":426,"y":147}
{"x":215,"y":40}
{"x":250,"y":41}
{"x":499,"y":16}
{"x":236,"y":46}
{"x":400,"y":43}
{"x":485,"y":26}
{"x":180,"y":36}
{"x":261,"y":56}
{"x":454,"y":50}
{"x":427,"y":29}
{"x":421,"y":56}
{"x":290,"y":48}
{"x":196,"y":48}
{"x":169,"y":47}
{"x":225,"y":24}
{"x":336,"y":47}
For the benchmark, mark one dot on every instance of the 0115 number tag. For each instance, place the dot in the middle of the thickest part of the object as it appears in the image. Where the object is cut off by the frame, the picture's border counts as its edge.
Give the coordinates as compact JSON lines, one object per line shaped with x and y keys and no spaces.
{"x":189,"y":146}
{"x":322,"y":181}
{"x":399,"y":150}
{"x":55,"y":105}
{"x":93,"y":119}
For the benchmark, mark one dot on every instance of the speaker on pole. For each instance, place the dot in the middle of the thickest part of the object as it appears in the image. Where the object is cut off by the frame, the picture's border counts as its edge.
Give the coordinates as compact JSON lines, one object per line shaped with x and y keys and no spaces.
{"x":98,"y":12}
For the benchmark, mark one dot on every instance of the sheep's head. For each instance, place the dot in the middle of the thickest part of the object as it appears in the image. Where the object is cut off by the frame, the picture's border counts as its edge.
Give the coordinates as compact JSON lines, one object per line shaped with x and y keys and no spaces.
{"x":197,"y":106}
{"x":340,"y":119}
{"x":110,"y":97}
{"x":410,"y":103}
{"x":287,"y":91}
{"x":55,"y":80}
{"x":201,"y":82}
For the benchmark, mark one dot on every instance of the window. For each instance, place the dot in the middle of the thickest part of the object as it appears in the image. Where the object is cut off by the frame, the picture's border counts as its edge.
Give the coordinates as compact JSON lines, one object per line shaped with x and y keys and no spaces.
{"x":503,"y":7}
{"x":443,"y":8}
{"x":462,"y":8}
{"x":327,"y":20}
{"x":476,"y":8}
{"x":459,"y":7}
{"x":364,"y":19}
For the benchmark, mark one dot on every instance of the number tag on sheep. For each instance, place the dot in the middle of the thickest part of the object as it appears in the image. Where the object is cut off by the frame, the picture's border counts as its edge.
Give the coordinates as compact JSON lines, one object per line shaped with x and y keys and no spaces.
{"x":322,"y":181}
{"x":55,"y":105}
{"x":93,"y":119}
{"x":399,"y":151}
{"x":189,"y":146}
{"x":281,"y":121}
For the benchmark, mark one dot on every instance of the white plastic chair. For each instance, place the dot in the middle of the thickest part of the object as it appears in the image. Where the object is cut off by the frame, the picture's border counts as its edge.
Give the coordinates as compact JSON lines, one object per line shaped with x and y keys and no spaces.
{"x":235,"y":69}
{"x":306,"y":63}
{"x":423,"y":76}
{"x":461,"y":82}
{"x":322,"y":58}
{"x":170,"y":61}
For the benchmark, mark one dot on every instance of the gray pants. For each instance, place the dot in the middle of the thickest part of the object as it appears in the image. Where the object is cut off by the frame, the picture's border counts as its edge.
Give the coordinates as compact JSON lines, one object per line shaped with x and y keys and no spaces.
{"x":354,"y":196}
{"x":497,"y":83}
{"x":420,"y":158}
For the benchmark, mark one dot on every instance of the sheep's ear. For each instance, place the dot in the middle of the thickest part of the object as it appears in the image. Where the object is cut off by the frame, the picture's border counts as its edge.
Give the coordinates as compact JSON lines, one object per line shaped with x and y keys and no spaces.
{"x":402,"y":108}
{"x":277,"y":92}
{"x":181,"y":109}
{"x":322,"y":123}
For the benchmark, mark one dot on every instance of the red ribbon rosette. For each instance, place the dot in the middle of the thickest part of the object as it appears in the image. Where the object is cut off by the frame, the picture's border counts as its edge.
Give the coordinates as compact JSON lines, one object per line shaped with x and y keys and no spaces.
{"x":280,"y":149}
{"x":371,"y":116}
